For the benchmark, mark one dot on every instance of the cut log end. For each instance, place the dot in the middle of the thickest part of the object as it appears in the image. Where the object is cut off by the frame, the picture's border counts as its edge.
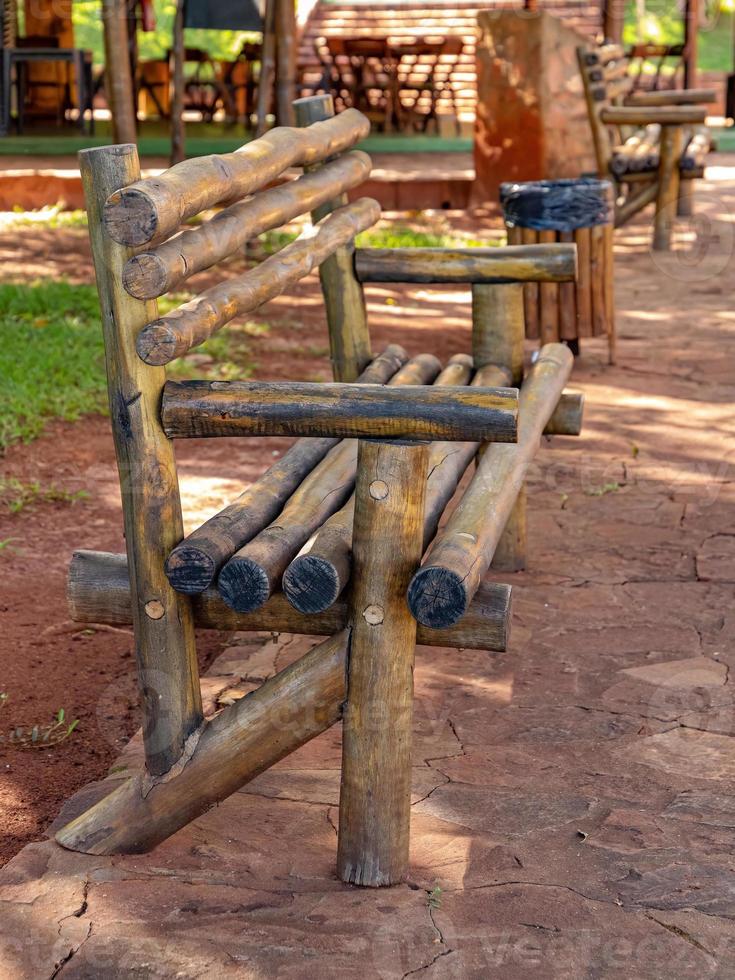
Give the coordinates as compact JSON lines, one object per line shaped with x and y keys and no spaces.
{"x":244,"y":585}
{"x":130,"y":217}
{"x":158,"y":344}
{"x":437,"y":597}
{"x":145,"y":276}
{"x":311,"y":584}
{"x":189,"y":570}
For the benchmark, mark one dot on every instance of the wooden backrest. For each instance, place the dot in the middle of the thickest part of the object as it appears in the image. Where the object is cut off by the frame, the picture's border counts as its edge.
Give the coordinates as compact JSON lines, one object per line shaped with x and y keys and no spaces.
{"x":606,"y":81}
{"x":151,"y":212}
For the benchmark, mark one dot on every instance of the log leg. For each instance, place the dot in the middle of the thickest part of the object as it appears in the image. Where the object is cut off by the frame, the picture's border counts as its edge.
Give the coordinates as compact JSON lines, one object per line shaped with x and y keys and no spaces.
{"x":609,"y":279}
{"x":162,"y":619}
{"x":498,"y":329}
{"x":375,"y":797}
{"x":685,"y":207}
{"x":668,"y":187}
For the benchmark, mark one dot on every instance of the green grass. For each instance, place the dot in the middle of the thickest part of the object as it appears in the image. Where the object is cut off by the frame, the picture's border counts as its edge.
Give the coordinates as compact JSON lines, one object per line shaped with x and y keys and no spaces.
{"x":663,"y":23}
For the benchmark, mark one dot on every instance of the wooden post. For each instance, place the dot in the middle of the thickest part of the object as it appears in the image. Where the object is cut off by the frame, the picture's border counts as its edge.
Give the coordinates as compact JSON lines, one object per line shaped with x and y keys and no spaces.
{"x":668,"y":187}
{"x":267,"y":67}
{"x":167,"y":665}
{"x":498,"y":329}
{"x":285,"y":18}
{"x":548,"y":300}
{"x":349,"y":335}
{"x":178,"y":134}
{"x":613,"y":15}
{"x":691,"y":26}
{"x":118,"y":77}
{"x":583,"y":286}
{"x":375,"y":796}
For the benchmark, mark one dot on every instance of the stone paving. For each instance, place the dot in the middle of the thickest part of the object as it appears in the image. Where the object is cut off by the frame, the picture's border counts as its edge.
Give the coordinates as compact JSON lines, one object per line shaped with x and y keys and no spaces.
{"x":573,"y":807}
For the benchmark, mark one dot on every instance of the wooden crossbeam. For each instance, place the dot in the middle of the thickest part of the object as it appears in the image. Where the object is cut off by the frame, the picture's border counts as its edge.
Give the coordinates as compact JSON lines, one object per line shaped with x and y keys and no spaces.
{"x":516,"y":263}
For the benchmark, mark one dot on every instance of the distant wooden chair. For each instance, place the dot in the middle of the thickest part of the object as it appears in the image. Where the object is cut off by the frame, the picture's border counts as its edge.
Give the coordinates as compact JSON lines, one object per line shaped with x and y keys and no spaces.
{"x":401,"y":441}
{"x":652,"y":143}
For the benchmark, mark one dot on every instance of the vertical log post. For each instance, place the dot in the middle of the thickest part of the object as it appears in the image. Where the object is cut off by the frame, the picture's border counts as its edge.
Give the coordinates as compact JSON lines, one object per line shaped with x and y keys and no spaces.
{"x":118,"y":76}
{"x":178,"y":54}
{"x":266,"y":79}
{"x":375,"y":796}
{"x":285,"y":19}
{"x":164,"y":634}
{"x":548,"y":300}
{"x":668,"y":187}
{"x":498,"y":329}
{"x":349,"y":336}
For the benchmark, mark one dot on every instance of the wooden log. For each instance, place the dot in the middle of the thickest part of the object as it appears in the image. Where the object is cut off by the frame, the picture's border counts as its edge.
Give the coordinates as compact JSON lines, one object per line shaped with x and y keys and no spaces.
{"x":318,"y":575}
{"x":99,"y":592}
{"x":349,"y":335}
{"x":443,"y":587}
{"x":498,"y":327}
{"x":153,"y":273}
{"x":597,"y":276}
{"x":609,"y":289}
{"x":631,"y":115}
{"x":667,"y":97}
{"x":285,"y":61}
{"x":252,"y":574}
{"x":668,"y":187}
{"x":165,"y":649}
{"x":119,"y":85}
{"x":194,"y":562}
{"x":567,"y":300}
{"x":516,"y":263}
{"x":530,"y":291}
{"x":548,"y":299}
{"x":510,"y":553}
{"x":218,"y":408}
{"x":156,"y":206}
{"x":178,"y":127}
{"x":583,"y":285}
{"x":696,"y":151}
{"x":635,"y":203}
{"x":377,"y":729}
{"x":191,"y":324}
{"x":267,"y":78}
{"x":243,"y":740}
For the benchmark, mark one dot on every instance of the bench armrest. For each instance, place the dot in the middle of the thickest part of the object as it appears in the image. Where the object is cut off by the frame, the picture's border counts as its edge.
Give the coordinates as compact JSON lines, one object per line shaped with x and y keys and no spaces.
{"x":676,"y":115}
{"x":344,"y":411}
{"x":685,"y":96}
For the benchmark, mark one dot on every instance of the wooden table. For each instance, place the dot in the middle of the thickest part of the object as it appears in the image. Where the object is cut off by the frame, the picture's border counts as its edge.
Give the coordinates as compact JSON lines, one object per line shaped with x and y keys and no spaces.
{"x":80,"y":59}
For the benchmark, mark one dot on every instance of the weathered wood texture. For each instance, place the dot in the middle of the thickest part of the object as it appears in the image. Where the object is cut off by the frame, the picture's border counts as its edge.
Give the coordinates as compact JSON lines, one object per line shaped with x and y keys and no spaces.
{"x":498,"y":327}
{"x":154,"y":272}
{"x":99,"y":592}
{"x":285,"y":61}
{"x":119,"y":81}
{"x":156,"y":206}
{"x":510,"y":551}
{"x":267,"y":68}
{"x":240,"y":742}
{"x":194,"y":562}
{"x":632,"y":115}
{"x":518,"y":263}
{"x":668,"y":187}
{"x":252,"y":574}
{"x":219,"y":408}
{"x":349,"y":335}
{"x":166,"y":655}
{"x":319,"y":574}
{"x":375,"y":792}
{"x":191,"y":324}
{"x":461,"y":554}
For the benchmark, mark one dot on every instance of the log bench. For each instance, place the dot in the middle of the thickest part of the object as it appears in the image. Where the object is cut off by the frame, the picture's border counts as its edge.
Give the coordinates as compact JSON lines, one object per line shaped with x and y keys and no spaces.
{"x":652,"y":143}
{"x":330,"y":540}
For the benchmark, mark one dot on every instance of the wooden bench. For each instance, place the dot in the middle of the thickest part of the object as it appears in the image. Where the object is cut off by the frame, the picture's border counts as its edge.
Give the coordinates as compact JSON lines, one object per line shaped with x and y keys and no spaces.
{"x":652,"y":143}
{"x":402,"y":441}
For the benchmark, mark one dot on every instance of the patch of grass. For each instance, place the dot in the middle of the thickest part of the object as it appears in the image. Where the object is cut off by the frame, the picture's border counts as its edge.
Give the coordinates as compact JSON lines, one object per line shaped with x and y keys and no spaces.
{"x":43,"y":736}
{"x":16,"y":495}
{"x":51,"y":217}
{"x":51,"y":358}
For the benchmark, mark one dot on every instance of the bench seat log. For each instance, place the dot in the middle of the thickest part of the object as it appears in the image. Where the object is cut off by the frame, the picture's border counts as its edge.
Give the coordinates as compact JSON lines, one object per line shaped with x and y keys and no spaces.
{"x":152,"y":273}
{"x":686,"y":96}
{"x":443,"y":587}
{"x":191,"y":324}
{"x":516,"y":263}
{"x":192,"y":409}
{"x":253,"y":573}
{"x":99,"y":592}
{"x":156,"y":206}
{"x":243,"y":740}
{"x":195,"y":561}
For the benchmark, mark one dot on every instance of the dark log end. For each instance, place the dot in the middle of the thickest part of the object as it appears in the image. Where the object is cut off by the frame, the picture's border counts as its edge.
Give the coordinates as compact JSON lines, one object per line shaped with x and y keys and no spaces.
{"x":130,"y":217}
{"x":311,"y":584}
{"x":189,"y":570}
{"x":437,"y":597}
{"x":244,"y":585}
{"x":157,"y":343}
{"x":144,"y":276}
